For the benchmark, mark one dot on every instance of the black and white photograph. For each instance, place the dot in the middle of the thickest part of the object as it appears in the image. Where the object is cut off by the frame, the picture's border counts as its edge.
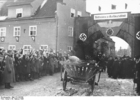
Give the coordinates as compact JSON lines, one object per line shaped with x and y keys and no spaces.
{"x":64,"y":48}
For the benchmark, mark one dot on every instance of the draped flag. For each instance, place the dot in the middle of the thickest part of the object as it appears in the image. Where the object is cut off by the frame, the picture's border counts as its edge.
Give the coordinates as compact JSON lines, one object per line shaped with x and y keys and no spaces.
{"x":137,"y":36}
{"x":113,"y":6}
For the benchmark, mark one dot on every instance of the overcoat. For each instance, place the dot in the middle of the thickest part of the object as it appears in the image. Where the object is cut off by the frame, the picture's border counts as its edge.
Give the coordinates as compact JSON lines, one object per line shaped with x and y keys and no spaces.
{"x":51,"y":64}
{"x":115,"y":70}
{"x":8,"y":70}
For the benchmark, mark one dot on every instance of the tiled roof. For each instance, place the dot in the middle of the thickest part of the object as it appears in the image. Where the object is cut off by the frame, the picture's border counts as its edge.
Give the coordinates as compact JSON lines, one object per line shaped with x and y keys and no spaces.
{"x":4,"y":9}
{"x":47,"y":10}
{"x":21,"y":2}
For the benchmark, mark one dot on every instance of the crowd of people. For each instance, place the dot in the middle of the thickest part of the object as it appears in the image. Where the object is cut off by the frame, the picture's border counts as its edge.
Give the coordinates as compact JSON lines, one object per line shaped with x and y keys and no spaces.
{"x":125,"y":68}
{"x":16,"y":66}
{"x":121,"y":67}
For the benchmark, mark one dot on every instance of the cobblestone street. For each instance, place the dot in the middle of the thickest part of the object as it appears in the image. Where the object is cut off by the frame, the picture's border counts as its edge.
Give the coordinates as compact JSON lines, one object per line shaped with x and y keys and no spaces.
{"x":52,"y":86}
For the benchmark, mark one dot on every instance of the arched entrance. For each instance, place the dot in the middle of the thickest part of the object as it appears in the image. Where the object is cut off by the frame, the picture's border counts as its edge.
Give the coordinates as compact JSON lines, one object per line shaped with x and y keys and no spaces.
{"x":122,"y":48}
{"x":121,"y":27}
{"x":125,"y":27}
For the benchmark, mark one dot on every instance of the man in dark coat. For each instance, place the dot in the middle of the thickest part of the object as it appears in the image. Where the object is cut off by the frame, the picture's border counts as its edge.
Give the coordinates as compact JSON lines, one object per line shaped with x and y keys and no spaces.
{"x":122,"y":75}
{"x":46,"y":65}
{"x":8,"y":71}
{"x":119,"y":68}
{"x":28,"y":60}
{"x":33,"y":66}
{"x":130,"y":68}
{"x":2,"y":64}
{"x":126,"y":68}
{"x":51,"y":64}
{"x":109,"y":66}
{"x":17,"y":66}
{"x":23,"y":68}
{"x":115,"y":70}
{"x":137,"y":75}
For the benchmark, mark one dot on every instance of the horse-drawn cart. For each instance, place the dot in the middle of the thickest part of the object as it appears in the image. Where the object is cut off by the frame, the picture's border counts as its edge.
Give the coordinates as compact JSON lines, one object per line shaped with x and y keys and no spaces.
{"x":82,"y":72}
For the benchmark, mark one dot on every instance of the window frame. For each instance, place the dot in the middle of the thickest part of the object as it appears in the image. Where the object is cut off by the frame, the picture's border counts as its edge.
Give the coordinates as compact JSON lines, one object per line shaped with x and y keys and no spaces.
{"x":70,"y":31}
{"x":43,"y":47}
{"x":72,"y":11}
{"x":30,"y":30}
{"x":18,"y":11}
{"x":12,"y":47}
{"x":79,"y":13}
{"x":26,"y":49}
{"x":70,"y":48}
{"x":15,"y":30}
{"x":3,"y":31}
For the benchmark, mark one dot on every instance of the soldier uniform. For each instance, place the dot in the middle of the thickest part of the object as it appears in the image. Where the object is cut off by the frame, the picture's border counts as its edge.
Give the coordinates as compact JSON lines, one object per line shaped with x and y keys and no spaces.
{"x":137,"y":75}
{"x":8,"y":71}
{"x":2,"y":64}
{"x":109,"y":67}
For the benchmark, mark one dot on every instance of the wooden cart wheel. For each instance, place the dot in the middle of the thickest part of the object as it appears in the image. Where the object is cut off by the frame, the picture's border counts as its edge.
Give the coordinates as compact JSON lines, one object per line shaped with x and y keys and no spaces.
{"x":92,"y":83}
{"x":65,"y":81}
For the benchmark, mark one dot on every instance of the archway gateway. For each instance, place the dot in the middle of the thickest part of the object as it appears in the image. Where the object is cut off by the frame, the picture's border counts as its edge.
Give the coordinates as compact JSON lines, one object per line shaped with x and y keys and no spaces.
{"x":124,"y":25}
{"x":122,"y":48}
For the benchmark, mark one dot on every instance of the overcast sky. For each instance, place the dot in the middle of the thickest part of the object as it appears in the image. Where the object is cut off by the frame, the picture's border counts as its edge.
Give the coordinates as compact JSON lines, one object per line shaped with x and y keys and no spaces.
{"x":133,"y":5}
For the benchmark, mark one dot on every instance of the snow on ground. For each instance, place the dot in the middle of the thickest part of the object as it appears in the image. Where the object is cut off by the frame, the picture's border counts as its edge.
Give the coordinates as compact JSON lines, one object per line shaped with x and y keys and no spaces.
{"x":52,"y":86}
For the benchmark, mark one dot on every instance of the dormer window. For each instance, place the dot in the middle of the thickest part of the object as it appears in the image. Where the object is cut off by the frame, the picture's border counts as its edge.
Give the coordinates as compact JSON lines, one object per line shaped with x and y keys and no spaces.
{"x":79,"y":13}
{"x":19,"y":12}
{"x":72,"y":12}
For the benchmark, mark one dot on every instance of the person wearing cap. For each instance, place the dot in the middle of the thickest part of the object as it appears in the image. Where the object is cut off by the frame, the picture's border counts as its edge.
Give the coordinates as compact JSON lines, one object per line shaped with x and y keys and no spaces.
{"x":8,"y":71}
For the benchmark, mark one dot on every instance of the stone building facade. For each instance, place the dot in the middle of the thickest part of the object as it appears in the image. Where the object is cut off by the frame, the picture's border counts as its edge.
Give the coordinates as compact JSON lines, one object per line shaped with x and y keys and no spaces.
{"x":40,"y":24}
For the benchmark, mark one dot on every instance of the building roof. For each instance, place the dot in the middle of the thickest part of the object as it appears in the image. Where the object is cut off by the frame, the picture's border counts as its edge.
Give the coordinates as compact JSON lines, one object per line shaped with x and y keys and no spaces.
{"x":4,"y":8}
{"x":39,"y":9}
{"x":48,"y":9}
{"x":20,"y":2}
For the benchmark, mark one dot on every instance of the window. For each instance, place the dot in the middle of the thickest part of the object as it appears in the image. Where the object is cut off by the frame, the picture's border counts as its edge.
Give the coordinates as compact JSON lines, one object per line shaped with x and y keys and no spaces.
{"x":72,"y":12}
{"x":12,"y":47}
{"x":19,"y":12}
{"x":32,"y":30}
{"x":70,"y":31}
{"x":17,"y":31}
{"x":79,"y":13}
{"x":3,"y":31}
{"x":44,"y":47}
{"x":69,"y":48}
{"x":26,"y":49}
